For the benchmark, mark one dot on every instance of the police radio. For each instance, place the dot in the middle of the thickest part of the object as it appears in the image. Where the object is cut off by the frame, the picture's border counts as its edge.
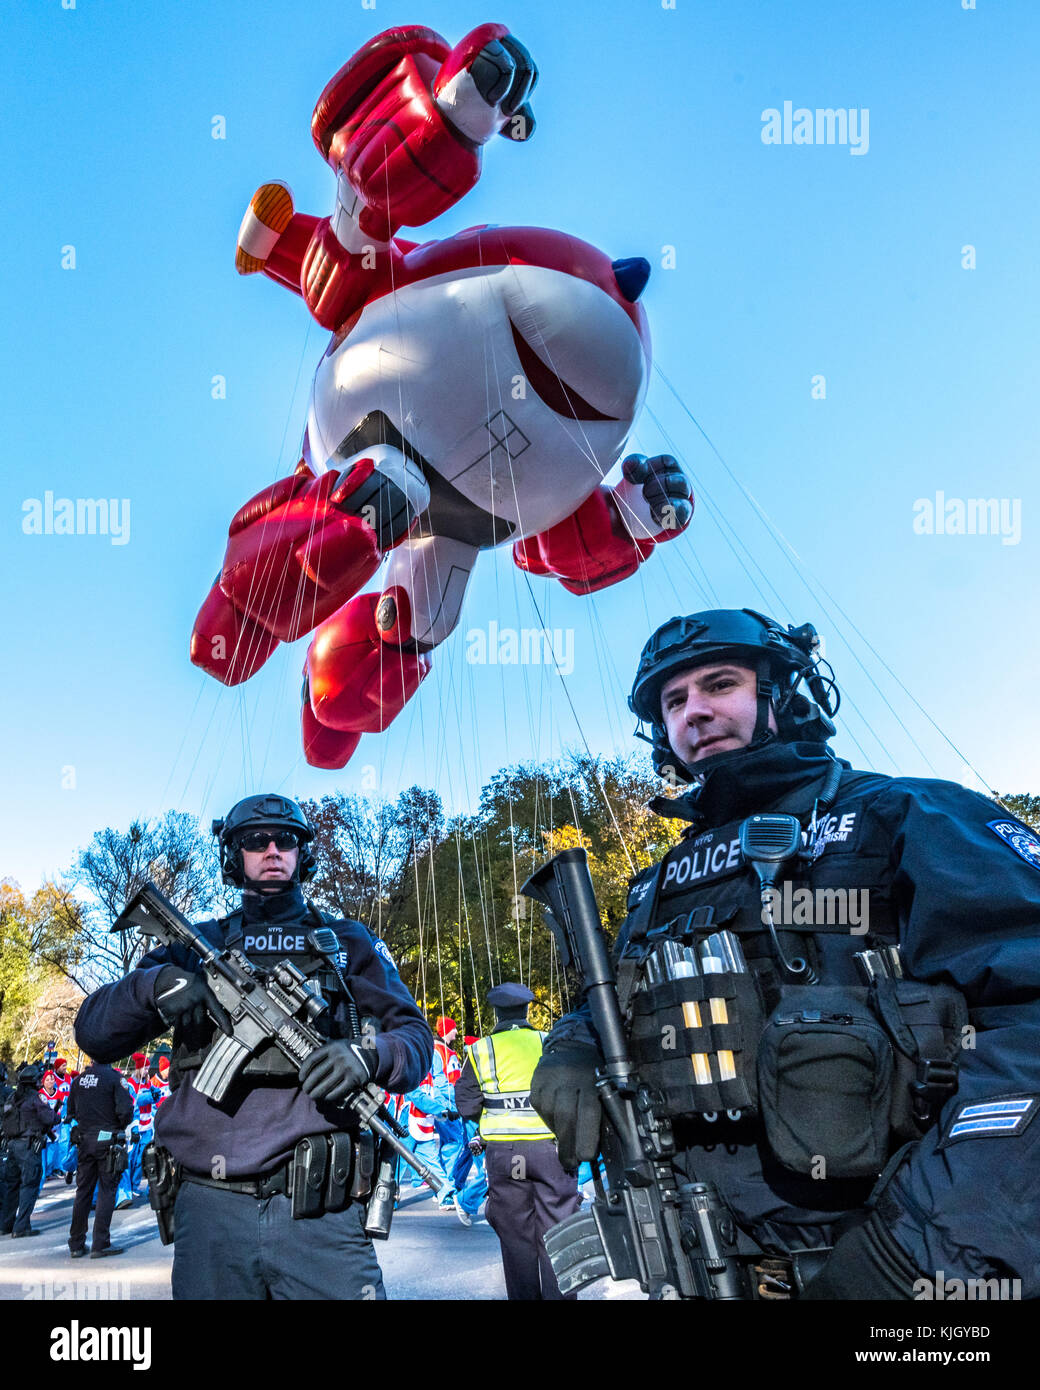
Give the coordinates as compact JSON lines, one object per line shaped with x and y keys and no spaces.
{"x":767,"y":843}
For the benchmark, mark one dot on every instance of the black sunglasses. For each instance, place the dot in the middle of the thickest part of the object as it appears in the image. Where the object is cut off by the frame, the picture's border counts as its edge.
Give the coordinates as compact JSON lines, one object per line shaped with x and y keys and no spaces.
{"x":256,"y":840}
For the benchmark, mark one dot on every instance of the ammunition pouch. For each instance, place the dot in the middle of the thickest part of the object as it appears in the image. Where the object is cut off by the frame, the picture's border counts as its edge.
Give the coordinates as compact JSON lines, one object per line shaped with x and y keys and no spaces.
{"x":327,"y":1173}
{"x":845,"y":1073}
{"x":685,"y":1056}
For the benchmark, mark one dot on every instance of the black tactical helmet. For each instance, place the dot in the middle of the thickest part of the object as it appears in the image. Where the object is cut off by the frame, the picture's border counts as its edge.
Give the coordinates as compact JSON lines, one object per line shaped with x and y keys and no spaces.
{"x":30,"y":1074}
{"x":781,"y":659}
{"x":268,"y":812}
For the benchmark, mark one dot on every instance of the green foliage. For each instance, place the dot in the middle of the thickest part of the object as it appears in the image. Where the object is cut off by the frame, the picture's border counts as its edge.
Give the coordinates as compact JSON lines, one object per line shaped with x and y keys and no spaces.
{"x":445,"y":895}
{"x":1025,"y":807}
{"x":39,"y":943}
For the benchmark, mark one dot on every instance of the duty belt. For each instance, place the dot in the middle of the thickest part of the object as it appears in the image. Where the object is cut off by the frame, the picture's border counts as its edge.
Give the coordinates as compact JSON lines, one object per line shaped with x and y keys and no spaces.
{"x":273,"y":1184}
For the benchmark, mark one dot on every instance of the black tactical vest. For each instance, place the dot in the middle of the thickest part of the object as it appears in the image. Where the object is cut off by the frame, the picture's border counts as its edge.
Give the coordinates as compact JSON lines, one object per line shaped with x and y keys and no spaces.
{"x":779,"y":1084}
{"x":264,"y":944}
{"x":831,"y":902}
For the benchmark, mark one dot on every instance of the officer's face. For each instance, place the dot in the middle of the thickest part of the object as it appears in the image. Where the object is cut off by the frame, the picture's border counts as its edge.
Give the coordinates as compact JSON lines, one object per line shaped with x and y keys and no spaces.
{"x":709,"y":710}
{"x":270,"y":865}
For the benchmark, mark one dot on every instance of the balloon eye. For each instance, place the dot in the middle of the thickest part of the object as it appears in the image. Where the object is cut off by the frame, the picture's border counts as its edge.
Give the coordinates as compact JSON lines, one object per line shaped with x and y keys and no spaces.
{"x":556,"y":394}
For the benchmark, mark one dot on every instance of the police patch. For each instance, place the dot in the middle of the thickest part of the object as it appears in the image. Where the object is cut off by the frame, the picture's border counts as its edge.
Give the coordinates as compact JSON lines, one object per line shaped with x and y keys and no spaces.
{"x":712,"y":855}
{"x":1001,"y":1117}
{"x":836,"y":832}
{"x":380,"y":948}
{"x":1025,"y":842}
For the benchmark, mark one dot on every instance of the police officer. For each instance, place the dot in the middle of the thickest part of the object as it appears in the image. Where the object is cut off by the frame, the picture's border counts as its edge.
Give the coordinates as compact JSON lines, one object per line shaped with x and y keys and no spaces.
{"x":27,"y":1125}
{"x":861,"y":1163}
{"x":102,"y":1107}
{"x":234,"y":1233}
{"x":528,"y":1190}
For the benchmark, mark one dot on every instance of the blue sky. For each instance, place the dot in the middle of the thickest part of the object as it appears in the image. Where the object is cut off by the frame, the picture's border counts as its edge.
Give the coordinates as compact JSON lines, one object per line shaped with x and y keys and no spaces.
{"x":790,"y":262}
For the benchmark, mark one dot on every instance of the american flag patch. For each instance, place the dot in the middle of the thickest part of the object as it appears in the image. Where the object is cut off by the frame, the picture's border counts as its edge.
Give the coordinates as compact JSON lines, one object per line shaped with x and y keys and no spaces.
{"x":1004,"y":1115}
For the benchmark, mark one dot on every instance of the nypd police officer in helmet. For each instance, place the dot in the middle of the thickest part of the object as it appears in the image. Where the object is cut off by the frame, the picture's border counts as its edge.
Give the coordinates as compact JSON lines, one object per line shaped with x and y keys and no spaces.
{"x":235,"y":1235}
{"x":857,"y":1069}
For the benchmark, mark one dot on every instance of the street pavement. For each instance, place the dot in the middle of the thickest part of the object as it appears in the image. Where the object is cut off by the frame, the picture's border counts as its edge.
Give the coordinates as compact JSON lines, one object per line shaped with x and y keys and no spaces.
{"x":430,"y":1255}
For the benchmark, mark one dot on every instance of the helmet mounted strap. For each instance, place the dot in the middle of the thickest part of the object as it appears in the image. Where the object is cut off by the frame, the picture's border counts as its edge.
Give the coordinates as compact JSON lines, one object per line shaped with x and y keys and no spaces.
{"x":766,"y":692}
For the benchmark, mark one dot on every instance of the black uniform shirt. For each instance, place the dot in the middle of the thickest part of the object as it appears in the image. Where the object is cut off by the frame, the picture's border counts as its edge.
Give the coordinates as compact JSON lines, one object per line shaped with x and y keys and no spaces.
{"x":98,"y":1100}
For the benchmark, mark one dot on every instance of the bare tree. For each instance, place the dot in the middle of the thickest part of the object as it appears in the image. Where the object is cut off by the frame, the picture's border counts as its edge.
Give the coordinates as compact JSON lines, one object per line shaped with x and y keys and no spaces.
{"x":173,"y":852}
{"x":51,"y":1015}
{"x":364,"y":847}
{"x":39,"y":940}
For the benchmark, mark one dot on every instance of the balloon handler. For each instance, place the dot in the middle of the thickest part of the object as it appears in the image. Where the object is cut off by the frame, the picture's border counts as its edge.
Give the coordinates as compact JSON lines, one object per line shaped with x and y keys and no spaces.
{"x":476,"y":392}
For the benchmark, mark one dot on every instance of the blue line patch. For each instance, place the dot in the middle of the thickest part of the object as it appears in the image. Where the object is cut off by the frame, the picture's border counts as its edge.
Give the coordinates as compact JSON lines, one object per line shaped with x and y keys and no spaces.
{"x":997,"y":1118}
{"x":1025,"y":842}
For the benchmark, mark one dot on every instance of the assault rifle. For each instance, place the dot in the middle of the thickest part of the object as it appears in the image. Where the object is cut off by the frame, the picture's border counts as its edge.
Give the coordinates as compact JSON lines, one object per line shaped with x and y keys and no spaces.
{"x":678,"y":1241}
{"x":276,"y":1006}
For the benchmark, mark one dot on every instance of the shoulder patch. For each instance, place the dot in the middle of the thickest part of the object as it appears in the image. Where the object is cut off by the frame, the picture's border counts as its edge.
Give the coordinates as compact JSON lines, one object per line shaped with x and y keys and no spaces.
{"x":1001,"y":1117}
{"x":1025,"y":842}
{"x":381,"y":949}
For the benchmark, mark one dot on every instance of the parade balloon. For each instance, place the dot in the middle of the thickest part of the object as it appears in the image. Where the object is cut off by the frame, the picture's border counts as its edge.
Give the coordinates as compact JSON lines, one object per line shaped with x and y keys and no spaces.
{"x":475,"y":392}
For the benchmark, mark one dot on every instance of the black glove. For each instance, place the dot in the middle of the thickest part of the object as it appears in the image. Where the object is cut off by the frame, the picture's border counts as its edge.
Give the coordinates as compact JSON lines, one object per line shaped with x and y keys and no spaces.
{"x":476,"y":1146}
{"x":183,"y":997}
{"x":333,"y":1071}
{"x":866,"y":1263}
{"x":74,"y":1137}
{"x":448,"y":1115}
{"x":563,"y":1091}
{"x":666,"y":488}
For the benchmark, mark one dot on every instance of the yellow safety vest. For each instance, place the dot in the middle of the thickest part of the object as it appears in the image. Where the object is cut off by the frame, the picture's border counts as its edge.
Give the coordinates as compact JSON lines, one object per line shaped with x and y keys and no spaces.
{"x":504,"y":1065}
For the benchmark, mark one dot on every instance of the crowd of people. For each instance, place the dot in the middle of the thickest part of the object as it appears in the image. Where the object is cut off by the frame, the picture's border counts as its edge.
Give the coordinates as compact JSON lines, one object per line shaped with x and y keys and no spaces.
{"x":46,"y":1129}
{"x":438,"y":1134}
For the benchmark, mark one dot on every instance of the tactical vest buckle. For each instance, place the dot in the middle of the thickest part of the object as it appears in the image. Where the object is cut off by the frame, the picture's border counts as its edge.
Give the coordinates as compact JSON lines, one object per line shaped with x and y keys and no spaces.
{"x":936,"y":1082}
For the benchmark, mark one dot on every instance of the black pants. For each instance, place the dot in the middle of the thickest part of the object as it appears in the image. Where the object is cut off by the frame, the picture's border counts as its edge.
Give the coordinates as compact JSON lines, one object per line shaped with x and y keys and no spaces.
{"x":528,"y":1192}
{"x":92,"y":1168}
{"x":231,"y":1245}
{"x":21,"y":1187}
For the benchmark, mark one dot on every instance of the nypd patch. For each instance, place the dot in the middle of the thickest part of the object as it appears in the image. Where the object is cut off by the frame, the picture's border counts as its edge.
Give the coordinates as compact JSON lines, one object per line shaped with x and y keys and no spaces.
{"x":1025,"y":842}
{"x":380,"y":948}
{"x":1001,"y":1117}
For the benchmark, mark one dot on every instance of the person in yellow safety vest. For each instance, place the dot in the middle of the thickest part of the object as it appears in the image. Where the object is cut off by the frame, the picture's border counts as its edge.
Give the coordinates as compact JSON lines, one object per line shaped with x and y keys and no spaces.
{"x":528,"y":1189}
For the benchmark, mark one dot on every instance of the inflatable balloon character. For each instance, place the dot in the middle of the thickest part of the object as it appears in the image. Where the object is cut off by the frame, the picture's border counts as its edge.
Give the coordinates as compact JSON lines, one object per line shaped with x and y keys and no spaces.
{"x":475,"y":392}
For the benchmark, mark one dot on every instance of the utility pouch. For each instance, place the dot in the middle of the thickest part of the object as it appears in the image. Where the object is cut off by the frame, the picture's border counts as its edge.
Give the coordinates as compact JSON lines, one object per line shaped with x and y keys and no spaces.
{"x":365,"y":1165}
{"x":926,"y":1024}
{"x":825,"y":1076}
{"x":37,"y":1143}
{"x":310,"y":1171}
{"x":339,"y":1189}
{"x":694,"y":1040}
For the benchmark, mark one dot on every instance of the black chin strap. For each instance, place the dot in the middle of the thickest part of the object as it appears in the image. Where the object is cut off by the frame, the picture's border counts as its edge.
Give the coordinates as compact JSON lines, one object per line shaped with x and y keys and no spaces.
{"x":767,"y":693}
